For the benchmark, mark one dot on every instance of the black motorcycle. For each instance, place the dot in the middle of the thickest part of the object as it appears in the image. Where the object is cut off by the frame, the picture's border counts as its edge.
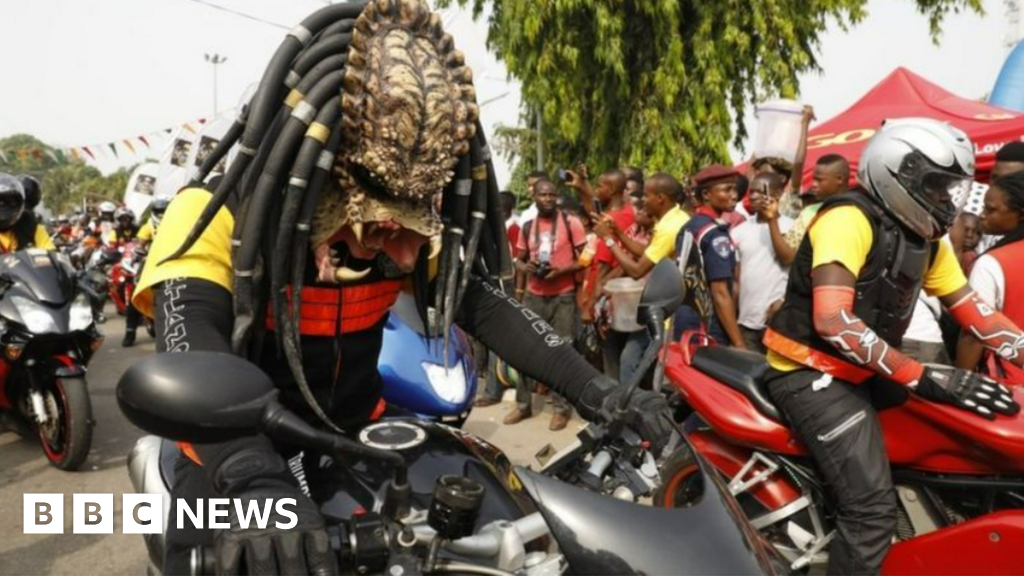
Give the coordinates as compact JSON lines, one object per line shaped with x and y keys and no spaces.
{"x":403,"y":496}
{"x":47,"y":337}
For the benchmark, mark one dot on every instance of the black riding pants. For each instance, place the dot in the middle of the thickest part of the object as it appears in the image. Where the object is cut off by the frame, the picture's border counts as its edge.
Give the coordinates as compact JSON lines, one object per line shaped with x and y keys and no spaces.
{"x":839,"y":426}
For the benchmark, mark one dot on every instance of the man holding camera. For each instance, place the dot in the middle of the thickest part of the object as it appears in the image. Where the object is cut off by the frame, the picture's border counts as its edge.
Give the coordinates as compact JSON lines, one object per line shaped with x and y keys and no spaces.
{"x":546,"y":284}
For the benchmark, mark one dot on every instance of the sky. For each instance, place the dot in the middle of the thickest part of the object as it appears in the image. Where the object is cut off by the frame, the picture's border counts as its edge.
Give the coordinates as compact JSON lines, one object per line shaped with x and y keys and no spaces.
{"x":89,"y":72}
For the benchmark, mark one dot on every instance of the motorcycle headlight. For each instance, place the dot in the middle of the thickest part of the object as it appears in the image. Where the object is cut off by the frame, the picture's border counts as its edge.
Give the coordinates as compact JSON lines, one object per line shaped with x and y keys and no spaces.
{"x":36,"y":319}
{"x":449,"y":383}
{"x":81,"y":313}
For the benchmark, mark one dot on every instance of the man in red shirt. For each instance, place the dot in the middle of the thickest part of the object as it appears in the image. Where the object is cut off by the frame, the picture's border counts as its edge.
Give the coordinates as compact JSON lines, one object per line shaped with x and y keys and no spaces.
{"x":546,"y":284}
{"x":610,"y":198}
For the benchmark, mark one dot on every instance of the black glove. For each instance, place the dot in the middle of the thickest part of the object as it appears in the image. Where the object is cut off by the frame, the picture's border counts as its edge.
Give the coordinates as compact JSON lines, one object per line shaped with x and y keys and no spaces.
{"x":302,"y":549}
{"x":966,"y":390}
{"x":645,"y":411}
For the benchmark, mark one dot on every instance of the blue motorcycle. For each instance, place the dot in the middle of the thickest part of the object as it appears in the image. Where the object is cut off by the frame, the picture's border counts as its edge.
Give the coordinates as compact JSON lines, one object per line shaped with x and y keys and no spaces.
{"x":414,"y":370}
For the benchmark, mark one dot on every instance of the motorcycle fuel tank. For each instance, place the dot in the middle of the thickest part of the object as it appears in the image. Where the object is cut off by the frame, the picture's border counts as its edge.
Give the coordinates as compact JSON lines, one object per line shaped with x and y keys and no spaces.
{"x":431,"y":450}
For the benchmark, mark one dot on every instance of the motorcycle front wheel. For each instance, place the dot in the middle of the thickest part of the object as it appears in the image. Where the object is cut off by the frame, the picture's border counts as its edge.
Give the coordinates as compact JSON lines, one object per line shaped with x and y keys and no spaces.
{"x":683,"y":484}
{"x":66,"y":436}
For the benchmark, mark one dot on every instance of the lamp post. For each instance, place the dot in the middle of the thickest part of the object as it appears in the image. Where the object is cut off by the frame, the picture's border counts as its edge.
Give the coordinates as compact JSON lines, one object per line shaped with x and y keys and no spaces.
{"x":215,"y":59}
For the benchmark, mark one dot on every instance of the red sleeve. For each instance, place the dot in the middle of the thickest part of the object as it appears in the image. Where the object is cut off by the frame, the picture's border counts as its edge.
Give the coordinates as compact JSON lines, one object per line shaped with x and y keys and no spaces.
{"x":513,"y":239}
{"x":624,"y":219}
{"x":520,"y":244}
{"x":579,"y":234}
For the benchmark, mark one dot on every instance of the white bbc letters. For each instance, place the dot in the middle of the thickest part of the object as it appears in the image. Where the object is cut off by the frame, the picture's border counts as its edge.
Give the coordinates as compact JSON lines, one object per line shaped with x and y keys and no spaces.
{"x":92,"y":514}
{"x":44,"y":513}
{"x":142,"y":514}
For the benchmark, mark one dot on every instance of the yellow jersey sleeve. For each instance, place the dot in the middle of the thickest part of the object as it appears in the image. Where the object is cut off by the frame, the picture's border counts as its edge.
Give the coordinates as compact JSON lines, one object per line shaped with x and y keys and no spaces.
{"x":208,"y":259}
{"x":945,"y":275}
{"x":842,"y":235}
{"x":146,"y":232}
{"x":42,"y":238}
{"x":663,"y":241}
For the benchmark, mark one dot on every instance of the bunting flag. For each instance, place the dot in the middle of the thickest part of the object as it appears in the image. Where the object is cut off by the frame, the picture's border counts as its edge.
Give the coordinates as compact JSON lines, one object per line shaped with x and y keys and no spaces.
{"x":78,"y":153}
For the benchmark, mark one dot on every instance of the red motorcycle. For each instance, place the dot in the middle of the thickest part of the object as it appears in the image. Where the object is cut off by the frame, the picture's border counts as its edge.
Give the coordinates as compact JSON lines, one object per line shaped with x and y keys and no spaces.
{"x":959,"y":477}
{"x":124,"y":275}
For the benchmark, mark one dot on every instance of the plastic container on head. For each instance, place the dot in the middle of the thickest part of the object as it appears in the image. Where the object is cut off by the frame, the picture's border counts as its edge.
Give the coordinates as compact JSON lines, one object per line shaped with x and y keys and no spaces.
{"x":623,"y":300}
{"x":778,"y":129}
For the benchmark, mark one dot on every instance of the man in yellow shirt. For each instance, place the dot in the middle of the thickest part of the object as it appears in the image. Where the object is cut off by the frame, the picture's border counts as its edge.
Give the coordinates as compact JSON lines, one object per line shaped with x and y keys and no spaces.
{"x":156,"y":213}
{"x":662,"y":194}
{"x":851,"y":294}
{"x":12,"y":206}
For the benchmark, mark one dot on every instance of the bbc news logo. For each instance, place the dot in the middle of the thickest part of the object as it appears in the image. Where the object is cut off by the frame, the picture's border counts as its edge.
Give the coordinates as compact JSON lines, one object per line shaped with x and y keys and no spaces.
{"x":144,"y":513}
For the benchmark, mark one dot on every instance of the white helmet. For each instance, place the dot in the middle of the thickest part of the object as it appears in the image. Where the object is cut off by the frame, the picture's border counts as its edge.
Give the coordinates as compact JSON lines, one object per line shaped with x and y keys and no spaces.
{"x":920,"y":170}
{"x":107,"y":209}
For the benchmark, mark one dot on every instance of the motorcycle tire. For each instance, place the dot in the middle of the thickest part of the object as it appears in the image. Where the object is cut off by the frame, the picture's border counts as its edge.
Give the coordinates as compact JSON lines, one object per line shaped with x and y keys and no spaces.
{"x":683,"y":484}
{"x":68,"y":446}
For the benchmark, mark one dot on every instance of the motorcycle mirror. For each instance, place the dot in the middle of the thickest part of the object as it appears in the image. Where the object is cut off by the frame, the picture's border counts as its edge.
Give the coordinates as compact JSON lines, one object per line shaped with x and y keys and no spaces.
{"x":195,"y":396}
{"x":664,"y":288}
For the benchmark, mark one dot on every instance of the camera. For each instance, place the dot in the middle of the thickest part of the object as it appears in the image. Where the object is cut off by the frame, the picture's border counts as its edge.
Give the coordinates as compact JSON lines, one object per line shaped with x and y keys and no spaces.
{"x":542,"y":269}
{"x":562,"y":174}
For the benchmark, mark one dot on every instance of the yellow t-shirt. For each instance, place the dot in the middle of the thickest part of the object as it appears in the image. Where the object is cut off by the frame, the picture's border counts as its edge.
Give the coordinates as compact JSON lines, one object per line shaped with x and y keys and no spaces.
{"x":9,"y":243}
{"x":146,"y":232}
{"x":663,"y":241}
{"x":208,"y":259}
{"x":843,"y":235}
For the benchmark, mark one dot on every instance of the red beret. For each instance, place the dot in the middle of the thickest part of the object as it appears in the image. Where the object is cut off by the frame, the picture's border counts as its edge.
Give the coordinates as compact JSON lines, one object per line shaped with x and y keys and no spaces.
{"x":714,"y":173}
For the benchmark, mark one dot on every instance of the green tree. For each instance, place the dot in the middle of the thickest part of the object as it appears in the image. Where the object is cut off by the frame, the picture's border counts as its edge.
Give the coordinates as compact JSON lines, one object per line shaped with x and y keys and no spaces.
{"x":660,"y":83}
{"x":66,"y":183}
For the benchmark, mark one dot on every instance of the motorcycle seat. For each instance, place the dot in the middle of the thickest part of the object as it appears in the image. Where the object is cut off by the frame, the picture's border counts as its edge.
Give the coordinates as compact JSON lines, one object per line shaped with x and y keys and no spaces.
{"x":741,"y":370}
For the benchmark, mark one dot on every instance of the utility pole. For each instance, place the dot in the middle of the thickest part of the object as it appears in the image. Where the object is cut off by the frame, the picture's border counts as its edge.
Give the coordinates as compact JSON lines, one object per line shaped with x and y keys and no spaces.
{"x":540,"y":138}
{"x":216,"y":60}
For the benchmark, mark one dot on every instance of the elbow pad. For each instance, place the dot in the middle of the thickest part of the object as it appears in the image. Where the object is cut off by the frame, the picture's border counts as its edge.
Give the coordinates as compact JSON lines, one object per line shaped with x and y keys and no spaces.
{"x":836,"y":323}
{"x":995,"y":331}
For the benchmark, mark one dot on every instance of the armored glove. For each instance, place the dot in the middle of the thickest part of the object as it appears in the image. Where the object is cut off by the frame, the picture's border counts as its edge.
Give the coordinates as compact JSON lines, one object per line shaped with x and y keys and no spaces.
{"x":645,"y":411}
{"x":966,"y":390}
{"x":249,"y":470}
{"x":301,"y":549}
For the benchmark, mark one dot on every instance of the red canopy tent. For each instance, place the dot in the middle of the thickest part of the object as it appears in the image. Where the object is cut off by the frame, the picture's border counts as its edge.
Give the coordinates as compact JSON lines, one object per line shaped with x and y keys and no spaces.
{"x":904,"y":94}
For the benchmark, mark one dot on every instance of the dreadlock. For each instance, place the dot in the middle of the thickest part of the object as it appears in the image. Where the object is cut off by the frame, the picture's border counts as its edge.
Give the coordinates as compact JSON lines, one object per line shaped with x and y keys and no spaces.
{"x":289,"y":138}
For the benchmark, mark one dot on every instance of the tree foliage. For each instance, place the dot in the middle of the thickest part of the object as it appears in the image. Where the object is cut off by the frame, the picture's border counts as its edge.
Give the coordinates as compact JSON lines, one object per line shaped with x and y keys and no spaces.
{"x":659,"y":83}
{"x":66,"y":183}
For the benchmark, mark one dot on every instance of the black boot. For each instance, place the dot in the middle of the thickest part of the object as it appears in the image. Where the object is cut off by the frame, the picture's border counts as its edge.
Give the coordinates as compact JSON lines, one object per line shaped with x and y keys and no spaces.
{"x":129,"y":339}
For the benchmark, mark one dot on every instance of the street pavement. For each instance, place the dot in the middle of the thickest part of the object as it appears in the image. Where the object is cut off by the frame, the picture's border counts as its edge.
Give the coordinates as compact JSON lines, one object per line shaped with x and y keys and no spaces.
{"x":23,"y":469}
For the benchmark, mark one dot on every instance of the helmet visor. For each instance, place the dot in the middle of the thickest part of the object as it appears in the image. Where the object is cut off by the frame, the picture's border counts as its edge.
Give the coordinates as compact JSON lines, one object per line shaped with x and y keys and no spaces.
{"x":944,"y":195}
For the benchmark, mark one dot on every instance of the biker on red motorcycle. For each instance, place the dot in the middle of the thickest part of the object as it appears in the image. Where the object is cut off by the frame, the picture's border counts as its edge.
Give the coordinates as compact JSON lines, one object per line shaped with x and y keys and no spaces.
{"x":362,"y":236}
{"x":124,"y":230}
{"x":850,"y":297}
{"x":12,"y":211}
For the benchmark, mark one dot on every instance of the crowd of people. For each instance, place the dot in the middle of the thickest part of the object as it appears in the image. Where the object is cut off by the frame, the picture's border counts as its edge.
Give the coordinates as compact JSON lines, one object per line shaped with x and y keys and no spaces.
{"x":736,"y":232}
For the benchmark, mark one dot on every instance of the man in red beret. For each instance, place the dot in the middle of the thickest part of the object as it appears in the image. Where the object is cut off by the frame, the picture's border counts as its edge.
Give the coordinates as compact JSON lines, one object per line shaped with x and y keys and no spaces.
{"x":713,"y":252}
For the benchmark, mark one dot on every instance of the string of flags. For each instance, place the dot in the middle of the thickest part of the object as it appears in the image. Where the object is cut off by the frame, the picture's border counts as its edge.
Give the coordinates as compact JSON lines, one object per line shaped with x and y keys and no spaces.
{"x":92,"y":152}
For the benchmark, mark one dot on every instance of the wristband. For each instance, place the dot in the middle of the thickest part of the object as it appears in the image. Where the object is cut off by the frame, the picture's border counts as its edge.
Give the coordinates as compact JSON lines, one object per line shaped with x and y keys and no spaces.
{"x":609,"y":242}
